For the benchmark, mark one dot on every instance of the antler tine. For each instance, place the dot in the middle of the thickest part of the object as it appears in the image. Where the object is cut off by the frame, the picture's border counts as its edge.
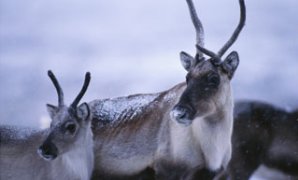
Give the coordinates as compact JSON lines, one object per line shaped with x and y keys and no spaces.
{"x":237,"y":30}
{"x":209,"y":53}
{"x":83,"y":90}
{"x":206,"y":51}
{"x":58,"y":88}
{"x":197,"y":24}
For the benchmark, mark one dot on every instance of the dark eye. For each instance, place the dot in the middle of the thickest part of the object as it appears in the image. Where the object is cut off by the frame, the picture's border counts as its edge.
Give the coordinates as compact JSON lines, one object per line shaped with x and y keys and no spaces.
{"x":213,"y":80}
{"x":70,"y":127}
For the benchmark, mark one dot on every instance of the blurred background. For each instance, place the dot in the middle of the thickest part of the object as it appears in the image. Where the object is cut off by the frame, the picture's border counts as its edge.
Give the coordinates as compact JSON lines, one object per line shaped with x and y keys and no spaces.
{"x":133,"y":46}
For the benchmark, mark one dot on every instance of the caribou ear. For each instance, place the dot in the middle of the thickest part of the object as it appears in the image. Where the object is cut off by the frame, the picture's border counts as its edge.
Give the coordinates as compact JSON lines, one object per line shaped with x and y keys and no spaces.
{"x":83,"y":112}
{"x":52,"y":110}
{"x":231,"y":63}
{"x":186,"y":60}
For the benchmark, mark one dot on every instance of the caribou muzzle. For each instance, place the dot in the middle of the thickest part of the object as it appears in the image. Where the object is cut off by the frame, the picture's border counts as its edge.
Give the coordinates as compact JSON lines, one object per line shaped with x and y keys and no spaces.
{"x":48,"y":151}
{"x":183,"y":114}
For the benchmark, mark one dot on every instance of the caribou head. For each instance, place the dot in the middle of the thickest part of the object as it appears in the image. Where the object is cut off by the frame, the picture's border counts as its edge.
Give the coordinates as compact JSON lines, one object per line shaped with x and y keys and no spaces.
{"x":68,"y":123}
{"x":208,"y":79}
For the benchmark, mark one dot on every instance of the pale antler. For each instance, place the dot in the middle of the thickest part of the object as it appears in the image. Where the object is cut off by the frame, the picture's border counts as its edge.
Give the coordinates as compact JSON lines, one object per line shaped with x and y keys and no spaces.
{"x":216,"y":57}
{"x":237,"y":31}
{"x":198,"y":26}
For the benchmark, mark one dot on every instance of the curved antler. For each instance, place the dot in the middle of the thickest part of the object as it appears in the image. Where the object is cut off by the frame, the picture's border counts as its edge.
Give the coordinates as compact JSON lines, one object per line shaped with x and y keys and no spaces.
{"x":83,"y":90}
{"x":237,"y":31}
{"x":216,"y":57}
{"x":58,"y":88}
{"x":209,"y":53}
{"x":198,"y":26}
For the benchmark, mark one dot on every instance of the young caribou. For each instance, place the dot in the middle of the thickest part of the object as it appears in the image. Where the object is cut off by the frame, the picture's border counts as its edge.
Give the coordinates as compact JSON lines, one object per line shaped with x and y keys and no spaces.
{"x":64,"y":151}
{"x":175,"y":132}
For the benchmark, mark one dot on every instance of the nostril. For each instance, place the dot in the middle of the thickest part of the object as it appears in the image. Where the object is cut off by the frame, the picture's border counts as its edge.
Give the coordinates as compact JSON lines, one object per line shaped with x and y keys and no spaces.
{"x":183,"y":112}
{"x":182,"y":115}
{"x":43,"y":150}
{"x":179,"y":112}
{"x":46,"y":151}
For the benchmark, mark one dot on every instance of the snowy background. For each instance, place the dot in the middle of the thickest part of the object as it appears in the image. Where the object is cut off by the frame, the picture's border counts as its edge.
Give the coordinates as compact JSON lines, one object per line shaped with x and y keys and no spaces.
{"x":133,"y":46}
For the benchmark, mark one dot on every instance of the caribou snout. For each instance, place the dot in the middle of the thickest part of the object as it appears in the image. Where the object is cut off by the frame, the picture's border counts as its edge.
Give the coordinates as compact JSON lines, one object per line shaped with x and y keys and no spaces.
{"x":183,"y":114}
{"x":48,"y":151}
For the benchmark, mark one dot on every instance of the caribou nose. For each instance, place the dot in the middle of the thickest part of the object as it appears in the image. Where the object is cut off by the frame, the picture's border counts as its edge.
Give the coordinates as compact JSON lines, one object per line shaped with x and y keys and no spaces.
{"x":48,"y":151}
{"x":182,"y":114}
{"x":179,"y":113}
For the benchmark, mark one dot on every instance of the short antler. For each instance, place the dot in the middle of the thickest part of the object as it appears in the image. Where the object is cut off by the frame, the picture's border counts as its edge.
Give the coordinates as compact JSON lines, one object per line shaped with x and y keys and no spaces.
{"x":58,"y":88}
{"x":83,"y":90}
{"x":198,"y":26}
{"x":216,"y":57}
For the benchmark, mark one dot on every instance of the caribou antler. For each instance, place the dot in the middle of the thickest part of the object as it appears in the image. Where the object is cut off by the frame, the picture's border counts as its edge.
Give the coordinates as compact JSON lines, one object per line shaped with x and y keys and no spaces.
{"x":237,"y":31}
{"x":83,"y":90}
{"x":58,"y":88}
{"x":217,"y":57}
{"x":60,"y":92}
{"x":209,"y":53}
{"x":198,"y":26}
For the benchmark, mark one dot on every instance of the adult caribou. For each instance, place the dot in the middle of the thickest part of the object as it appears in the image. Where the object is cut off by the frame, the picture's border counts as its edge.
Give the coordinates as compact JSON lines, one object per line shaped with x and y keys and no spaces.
{"x":179,"y":133}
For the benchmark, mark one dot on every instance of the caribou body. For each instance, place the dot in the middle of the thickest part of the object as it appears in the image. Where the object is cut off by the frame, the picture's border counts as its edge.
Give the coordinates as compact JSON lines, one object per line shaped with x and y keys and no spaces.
{"x":263,"y":135}
{"x":176,"y":133}
{"x":64,"y":151}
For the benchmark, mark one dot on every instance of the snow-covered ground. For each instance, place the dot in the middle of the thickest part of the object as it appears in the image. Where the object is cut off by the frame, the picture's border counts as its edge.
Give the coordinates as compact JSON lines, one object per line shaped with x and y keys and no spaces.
{"x":133,"y":47}
{"x":265,"y":173}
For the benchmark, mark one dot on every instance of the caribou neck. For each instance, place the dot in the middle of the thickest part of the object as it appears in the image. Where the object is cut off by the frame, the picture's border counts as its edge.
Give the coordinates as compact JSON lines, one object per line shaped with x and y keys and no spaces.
{"x":208,"y":138}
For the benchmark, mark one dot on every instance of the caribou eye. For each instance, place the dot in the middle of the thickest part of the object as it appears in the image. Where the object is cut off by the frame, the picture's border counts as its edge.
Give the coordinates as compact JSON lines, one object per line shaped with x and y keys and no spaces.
{"x":70,"y":127}
{"x":213,"y":79}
